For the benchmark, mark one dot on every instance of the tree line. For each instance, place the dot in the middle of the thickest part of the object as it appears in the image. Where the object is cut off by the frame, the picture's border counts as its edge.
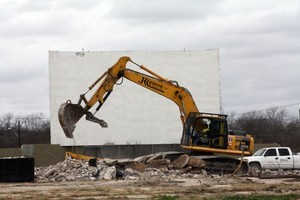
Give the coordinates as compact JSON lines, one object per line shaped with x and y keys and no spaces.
{"x":274,"y":125}
{"x":29,"y":129}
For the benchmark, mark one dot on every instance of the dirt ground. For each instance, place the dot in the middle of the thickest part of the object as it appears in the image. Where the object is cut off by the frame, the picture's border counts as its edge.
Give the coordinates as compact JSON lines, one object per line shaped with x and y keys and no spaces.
{"x":214,"y":187}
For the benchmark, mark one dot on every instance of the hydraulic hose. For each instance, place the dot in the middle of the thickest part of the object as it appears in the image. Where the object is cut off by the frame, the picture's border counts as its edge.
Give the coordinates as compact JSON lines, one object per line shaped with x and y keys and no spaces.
{"x":239,"y":166}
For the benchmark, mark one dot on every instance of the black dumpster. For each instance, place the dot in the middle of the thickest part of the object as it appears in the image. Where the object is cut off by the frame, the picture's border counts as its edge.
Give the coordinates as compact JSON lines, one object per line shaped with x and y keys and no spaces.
{"x":16,"y":169}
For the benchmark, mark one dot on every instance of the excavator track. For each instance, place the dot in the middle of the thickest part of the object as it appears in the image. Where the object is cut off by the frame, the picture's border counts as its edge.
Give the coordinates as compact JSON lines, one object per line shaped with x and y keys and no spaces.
{"x":223,"y":165}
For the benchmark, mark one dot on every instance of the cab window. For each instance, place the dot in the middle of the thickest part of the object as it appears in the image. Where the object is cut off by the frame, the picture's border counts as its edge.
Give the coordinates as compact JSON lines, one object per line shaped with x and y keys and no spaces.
{"x":218,"y":127}
{"x":284,"y":152}
{"x":271,"y":152}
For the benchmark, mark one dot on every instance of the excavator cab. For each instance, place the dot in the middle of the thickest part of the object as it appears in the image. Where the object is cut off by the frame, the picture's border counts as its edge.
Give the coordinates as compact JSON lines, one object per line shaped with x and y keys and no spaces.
{"x":208,"y":132}
{"x":206,"y":129}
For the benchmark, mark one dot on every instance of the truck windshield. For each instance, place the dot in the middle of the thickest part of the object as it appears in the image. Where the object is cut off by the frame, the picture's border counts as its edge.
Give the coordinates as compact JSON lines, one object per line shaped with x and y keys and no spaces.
{"x":259,"y":152}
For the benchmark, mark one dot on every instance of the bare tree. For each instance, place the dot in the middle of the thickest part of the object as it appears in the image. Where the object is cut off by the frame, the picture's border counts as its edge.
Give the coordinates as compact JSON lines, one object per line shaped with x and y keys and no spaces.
{"x":35,"y":122}
{"x":273,"y":125}
{"x":7,"y":120}
{"x":30,"y":129}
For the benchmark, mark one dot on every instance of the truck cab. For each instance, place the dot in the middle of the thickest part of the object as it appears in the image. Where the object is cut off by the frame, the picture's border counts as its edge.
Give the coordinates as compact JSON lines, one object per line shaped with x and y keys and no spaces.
{"x":273,"y":158}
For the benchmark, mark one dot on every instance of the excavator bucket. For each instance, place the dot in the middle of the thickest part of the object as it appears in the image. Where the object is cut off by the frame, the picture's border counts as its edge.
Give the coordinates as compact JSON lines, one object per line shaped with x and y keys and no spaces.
{"x":68,"y":115}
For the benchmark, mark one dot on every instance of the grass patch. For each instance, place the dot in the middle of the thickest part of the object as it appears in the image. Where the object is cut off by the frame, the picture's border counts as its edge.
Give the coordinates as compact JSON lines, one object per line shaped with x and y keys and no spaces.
{"x":264,"y":197}
{"x":167,"y":197}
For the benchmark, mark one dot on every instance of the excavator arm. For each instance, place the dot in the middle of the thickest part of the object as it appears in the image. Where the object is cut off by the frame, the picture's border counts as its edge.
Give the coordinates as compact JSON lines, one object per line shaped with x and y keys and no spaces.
{"x":70,"y":114}
{"x":213,"y":139}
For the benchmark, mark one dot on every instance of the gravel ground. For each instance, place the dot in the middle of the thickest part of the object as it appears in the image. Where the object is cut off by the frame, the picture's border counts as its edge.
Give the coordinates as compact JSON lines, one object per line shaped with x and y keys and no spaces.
{"x":211,"y":187}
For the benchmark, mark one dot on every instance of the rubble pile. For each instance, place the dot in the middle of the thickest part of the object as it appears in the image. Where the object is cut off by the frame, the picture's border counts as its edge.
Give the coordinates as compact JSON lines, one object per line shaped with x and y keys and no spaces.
{"x":72,"y":170}
{"x":160,"y":165}
{"x":164,"y":165}
{"x":280,"y":173}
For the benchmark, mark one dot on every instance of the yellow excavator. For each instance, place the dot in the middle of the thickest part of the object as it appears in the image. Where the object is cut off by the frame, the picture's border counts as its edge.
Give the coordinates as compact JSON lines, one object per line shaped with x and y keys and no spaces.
{"x":203,"y":133}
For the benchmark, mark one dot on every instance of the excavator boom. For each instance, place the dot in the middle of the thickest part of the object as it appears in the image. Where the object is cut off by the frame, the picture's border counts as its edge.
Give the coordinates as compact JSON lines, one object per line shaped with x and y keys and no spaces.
{"x":69,"y":114}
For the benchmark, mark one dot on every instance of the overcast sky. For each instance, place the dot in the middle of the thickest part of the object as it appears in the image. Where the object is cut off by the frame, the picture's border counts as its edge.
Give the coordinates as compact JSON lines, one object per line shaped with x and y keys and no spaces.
{"x":259,"y":43}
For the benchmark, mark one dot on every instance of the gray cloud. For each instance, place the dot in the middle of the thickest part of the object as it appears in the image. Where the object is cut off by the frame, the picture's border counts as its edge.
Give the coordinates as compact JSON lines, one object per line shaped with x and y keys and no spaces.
{"x":258,"y":41}
{"x":161,"y":11}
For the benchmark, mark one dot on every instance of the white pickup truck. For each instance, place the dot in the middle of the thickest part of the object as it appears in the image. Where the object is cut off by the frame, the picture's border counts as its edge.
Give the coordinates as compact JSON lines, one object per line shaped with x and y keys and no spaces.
{"x":273,"y":158}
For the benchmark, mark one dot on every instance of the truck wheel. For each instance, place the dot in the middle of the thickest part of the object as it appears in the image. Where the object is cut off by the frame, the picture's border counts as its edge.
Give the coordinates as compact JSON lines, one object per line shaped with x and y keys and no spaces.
{"x":254,"y":169}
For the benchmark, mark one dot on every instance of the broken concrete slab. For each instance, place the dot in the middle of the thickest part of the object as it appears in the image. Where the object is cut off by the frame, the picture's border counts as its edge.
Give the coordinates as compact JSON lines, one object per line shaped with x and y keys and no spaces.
{"x":138,"y":166}
{"x":50,"y":172}
{"x":180,"y":162}
{"x":196,"y":162}
{"x":163,"y":155}
{"x":109,"y":161}
{"x":109,"y":173}
{"x":158,"y":163}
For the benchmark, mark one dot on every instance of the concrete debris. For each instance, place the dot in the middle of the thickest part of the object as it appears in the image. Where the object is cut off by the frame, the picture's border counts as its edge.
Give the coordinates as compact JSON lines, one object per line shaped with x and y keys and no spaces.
{"x":50,"y":172}
{"x":138,"y":166}
{"x":180,"y":162}
{"x":155,"y":166}
{"x":159,"y":163}
{"x":109,"y":161}
{"x":109,"y":173}
{"x":145,"y":167}
{"x":196,"y":162}
{"x":276,"y":174}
